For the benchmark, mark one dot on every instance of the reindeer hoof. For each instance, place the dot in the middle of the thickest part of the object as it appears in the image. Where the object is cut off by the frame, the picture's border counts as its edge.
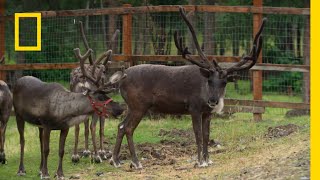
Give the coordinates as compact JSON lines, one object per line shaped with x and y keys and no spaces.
{"x":201,"y":165}
{"x":102,"y":154}
{"x":21,"y":172}
{"x":96,"y":159}
{"x":86,"y":153}
{"x":58,"y":177}
{"x":45,"y":176}
{"x":3,"y":158}
{"x":115,"y":163}
{"x":210,"y":162}
{"x":75,"y":158}
{"x":135,"y":165}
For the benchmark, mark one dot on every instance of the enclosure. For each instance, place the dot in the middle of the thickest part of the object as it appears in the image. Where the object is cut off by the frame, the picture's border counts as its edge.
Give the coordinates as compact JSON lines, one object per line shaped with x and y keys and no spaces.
{"x":274,"y":90}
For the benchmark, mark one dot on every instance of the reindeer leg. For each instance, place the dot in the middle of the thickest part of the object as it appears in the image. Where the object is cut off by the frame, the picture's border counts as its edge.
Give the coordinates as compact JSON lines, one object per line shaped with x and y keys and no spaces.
{"x":41,"y":149}
{"x":95,"y":157}
{"x":102,"y":152}
{"x":130,"y":126}
{"x":75,"y":156}
{"x":3,"y":127}
{"x":115,"y":154}
{"x":46,"y":149}
{"x":196,"y":123}
{"x":63,"y":136}
{"x":20,"y":125}
{"x":206,"y":135}
{"x":86,"y":151}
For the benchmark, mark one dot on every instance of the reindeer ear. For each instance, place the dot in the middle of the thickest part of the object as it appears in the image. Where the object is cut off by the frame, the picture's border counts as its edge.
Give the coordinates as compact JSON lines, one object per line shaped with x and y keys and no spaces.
{"x":116,"y":77}
{"x":205,"y":72}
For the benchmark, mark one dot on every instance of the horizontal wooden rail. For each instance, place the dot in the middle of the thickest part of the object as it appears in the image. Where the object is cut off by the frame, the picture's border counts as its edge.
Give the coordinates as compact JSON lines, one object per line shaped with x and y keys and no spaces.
{"x":225,"y":62}
{"x":173,"y":8}
{"x":272,"y":104}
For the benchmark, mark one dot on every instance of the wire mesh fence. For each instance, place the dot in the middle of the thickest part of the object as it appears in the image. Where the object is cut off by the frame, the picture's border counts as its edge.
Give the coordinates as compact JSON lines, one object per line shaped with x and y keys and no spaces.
{"x":286,"y":41}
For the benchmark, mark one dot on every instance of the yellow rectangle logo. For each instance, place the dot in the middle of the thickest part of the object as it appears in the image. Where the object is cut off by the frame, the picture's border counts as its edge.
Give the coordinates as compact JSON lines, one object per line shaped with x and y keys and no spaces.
{"x":17,"y":46}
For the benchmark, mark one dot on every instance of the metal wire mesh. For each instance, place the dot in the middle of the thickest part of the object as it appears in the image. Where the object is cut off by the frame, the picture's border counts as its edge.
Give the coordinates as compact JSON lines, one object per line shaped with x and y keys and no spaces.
{"x":223,"y":34}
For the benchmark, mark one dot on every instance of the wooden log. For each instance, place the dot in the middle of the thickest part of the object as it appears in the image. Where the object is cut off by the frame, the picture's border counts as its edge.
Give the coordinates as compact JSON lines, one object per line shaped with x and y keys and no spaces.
{"x":273,"y":104}
{"x":171,"y":8}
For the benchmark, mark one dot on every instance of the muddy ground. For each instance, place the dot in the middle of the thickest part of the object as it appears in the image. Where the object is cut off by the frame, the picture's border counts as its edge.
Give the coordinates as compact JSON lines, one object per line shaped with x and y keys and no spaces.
{"x":175,"y":158}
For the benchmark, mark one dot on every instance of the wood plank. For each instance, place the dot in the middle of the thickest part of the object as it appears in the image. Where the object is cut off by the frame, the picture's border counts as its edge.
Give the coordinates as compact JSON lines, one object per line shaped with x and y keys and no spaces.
{"x":257,"y":75}
{"x":247,"y":109}
{"x":172,"y":8}
{"x":179,"y":58}
{"x":120,"y":58}
{"x":273,"y":104}
{"x":3,"y":74}
{"x":127,"y":34}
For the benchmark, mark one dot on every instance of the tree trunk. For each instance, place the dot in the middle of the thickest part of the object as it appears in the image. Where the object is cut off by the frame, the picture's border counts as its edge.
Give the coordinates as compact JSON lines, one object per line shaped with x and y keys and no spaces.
{"x":103,"y":28}
{"x":306,"y":57}
{"x":298,"y":41}
{"x":209,"y":30}
{"x":87,"y":17}
{"x":191,"y":19}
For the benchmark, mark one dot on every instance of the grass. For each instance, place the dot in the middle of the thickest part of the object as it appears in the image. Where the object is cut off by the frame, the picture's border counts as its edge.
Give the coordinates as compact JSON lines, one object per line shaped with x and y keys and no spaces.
{"x":239,"y":132}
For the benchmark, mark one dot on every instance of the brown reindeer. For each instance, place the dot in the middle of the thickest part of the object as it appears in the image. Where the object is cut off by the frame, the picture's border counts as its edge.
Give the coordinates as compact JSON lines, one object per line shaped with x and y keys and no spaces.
{"x":5,"y":110}
{"x":197,"y":90}
{"x":52,"y":107}
{"x":79,"y":83}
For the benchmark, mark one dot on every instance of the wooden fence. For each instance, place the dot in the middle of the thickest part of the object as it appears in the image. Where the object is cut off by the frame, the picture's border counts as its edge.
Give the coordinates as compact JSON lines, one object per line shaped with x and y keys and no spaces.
{"x":127,"y":11}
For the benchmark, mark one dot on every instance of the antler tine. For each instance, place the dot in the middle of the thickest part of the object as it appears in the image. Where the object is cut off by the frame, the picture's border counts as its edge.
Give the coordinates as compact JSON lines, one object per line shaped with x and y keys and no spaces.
{"x":208,"y":64}
{"x":106,"y":56}
{"x":184,"y":50}
{"x":2,"y":60}
{"x":108,"y":59}
{"x":85,"y":41}
{"x":82,"y":59}
{"x":113,"y":38}
{"x":254,"y":53}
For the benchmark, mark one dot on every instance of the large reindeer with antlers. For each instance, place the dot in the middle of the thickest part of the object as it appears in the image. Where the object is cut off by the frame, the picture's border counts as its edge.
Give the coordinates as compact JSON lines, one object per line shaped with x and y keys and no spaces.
{"x":197,"y":90}
{"x":5,"y":110}
{"x":52,"y":107}
{"x":91,"y":76}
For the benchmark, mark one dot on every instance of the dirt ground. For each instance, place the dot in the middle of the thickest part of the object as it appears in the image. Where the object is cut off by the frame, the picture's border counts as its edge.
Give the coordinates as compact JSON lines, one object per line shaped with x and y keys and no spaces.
{"x":175,"y":159}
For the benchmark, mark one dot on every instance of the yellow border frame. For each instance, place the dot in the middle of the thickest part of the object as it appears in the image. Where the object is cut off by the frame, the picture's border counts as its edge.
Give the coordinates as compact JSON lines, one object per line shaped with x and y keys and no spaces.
{"x":16,"y":30}
{"x":315,"y":87}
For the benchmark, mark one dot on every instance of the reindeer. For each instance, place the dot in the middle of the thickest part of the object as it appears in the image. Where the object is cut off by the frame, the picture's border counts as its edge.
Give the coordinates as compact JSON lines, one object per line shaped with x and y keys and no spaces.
{"x":79,"y":83}
{"x":197,"y":90}
{"x":52,"y":107}
{"x":5,"y":110}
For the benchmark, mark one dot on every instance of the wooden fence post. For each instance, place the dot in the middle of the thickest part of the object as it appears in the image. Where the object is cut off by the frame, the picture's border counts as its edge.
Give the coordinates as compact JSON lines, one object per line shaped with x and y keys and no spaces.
{"x":257,"y":74}
{"x":2,"y":36}
{"x":127,"y":35}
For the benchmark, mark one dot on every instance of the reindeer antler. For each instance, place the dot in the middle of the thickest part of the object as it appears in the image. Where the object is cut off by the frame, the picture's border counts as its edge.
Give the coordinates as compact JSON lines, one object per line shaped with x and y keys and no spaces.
{"x":82,"y":58}
{"x":254,"y":53}
{"x":85,"y":41}
{"x":205,"y":63}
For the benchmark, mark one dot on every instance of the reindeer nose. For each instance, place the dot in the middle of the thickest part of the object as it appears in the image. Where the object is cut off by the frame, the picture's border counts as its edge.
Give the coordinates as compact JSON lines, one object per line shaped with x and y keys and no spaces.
{"x":213,"y":102}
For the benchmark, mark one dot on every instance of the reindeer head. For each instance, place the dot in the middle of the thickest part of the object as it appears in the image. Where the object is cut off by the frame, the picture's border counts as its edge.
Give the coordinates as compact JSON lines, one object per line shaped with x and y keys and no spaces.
{"x":99,"y":95}
{"x":95,"y":72}
{"x":95,"y":83}
{"x":217,"y":77}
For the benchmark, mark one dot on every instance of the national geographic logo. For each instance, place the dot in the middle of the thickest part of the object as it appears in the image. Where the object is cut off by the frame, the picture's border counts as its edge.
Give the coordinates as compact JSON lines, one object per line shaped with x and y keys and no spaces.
{"x":17,"y":17}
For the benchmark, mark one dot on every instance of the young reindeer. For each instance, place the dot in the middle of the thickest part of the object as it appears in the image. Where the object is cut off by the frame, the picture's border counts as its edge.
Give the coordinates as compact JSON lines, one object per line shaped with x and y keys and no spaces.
{"x":197,"y":90}
{"x":5,"y":110}
{"x":94,"y":77}
{"x":52,"y":107}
